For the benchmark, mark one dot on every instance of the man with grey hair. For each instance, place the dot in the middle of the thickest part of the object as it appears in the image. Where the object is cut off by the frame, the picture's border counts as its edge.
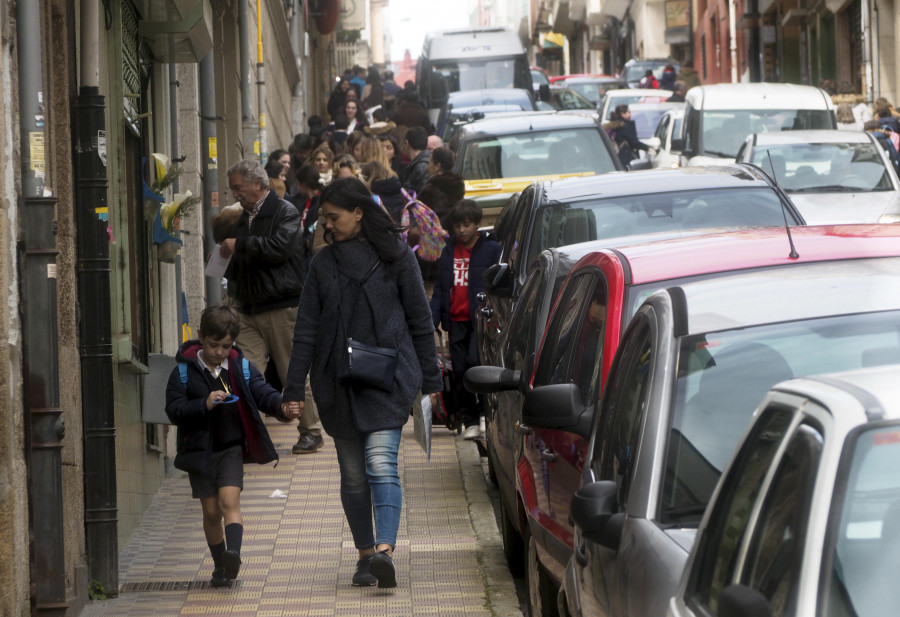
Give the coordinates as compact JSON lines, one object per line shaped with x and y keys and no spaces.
{"x":265,"y":278}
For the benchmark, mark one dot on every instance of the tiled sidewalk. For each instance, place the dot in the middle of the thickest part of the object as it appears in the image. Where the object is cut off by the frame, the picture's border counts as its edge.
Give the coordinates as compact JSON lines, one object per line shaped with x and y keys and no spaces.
{"x":298,"y":556}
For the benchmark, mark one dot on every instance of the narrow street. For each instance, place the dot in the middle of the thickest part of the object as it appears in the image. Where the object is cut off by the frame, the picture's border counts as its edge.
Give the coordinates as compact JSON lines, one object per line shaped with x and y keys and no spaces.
{"x":298,"y":556}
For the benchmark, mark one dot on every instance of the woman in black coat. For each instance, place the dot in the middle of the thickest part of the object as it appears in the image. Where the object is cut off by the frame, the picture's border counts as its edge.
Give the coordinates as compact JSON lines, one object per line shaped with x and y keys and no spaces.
{"x":624,"y":134}
{"x":364,"y":285}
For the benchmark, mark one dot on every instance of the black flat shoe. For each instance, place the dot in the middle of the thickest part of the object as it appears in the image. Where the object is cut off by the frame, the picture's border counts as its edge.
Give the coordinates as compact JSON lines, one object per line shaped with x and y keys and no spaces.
{"x":382,"y":566}
{"x":231,"y":564}
{"x":218,"y":578}
{"x":363,"y":577}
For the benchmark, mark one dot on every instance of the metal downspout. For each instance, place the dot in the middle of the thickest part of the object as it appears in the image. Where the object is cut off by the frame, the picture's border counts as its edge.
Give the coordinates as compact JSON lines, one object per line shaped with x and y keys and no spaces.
{"x":173,"y":139}
{"x":876,"y":60}
{"x":37,"y":255}
{"x":298,"y":119}
{"x":209,"y":164}
{"x":261,"y":85}
{"x":248,"y":132}
{"x":866,"y":19}
{"x":95,"y":310}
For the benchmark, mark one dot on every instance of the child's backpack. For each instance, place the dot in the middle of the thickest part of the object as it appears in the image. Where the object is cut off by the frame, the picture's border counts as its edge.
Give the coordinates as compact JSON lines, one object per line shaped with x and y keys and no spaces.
{"x":182,"y":371}
{"x":433,"y":237}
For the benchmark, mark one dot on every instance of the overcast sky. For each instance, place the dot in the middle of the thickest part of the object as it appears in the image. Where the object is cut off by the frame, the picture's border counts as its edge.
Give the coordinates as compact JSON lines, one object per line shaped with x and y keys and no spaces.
{"x":411,"y":19}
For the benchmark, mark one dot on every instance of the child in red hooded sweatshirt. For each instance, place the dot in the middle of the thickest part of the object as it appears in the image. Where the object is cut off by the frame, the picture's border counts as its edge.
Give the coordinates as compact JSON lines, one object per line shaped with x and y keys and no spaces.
{"x":214,"y":396}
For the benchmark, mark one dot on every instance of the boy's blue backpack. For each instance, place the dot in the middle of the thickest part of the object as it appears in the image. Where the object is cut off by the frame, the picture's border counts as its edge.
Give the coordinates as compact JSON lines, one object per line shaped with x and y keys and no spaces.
{"x":182,"y":370}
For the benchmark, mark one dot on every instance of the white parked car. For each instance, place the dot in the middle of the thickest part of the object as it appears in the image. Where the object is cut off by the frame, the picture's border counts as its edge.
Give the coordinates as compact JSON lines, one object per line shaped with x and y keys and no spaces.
{"x":667,"y":131}
{"x":806,"y":519}
{"x":833,"y":177}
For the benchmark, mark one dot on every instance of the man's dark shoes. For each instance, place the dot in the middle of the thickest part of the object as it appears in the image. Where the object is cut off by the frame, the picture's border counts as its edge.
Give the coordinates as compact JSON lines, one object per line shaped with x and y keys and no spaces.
{"x":363,"y":577}
{"x":218,"y":578}
{"x":382,"y":566}
{"x":231,"y":564}
{"x":307,"y":444}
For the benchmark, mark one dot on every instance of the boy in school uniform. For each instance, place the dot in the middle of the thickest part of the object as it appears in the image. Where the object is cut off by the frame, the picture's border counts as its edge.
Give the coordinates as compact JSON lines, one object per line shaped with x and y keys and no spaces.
{"x":214,"y":397}
{"x":466,"y":256}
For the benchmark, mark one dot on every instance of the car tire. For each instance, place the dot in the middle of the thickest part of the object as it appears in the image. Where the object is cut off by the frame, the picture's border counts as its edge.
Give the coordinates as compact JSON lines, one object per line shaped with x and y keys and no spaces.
{"x":541,"y":592}
{"x":513,"y":544}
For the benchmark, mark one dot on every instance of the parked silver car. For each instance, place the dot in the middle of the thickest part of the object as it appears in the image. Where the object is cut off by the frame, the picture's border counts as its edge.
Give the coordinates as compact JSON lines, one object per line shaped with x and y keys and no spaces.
{"x":806,"y":520}
{"x":833,"y":177}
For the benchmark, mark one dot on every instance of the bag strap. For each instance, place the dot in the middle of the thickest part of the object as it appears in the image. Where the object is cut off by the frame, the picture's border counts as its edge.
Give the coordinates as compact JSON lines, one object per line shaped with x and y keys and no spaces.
{"x":182,"y":372}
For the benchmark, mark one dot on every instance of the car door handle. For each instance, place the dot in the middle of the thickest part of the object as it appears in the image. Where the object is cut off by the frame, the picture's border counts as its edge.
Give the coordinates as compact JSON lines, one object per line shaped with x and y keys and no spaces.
{"x":581,"y":557}
{"x":548,"y":455}
{"x":521,"y":429}
{"x":487,"y":312}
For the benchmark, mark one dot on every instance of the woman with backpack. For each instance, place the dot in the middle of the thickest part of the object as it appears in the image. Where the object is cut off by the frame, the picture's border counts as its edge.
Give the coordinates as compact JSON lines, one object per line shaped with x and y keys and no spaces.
{"x":444,"y":187}
{"x":364,"y":291}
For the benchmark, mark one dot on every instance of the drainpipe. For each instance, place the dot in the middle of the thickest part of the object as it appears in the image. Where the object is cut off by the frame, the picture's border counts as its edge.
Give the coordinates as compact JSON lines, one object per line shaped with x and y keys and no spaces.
{"x":298,"y":121}
{"x":866,"y":19}
{"x":95,"y":308}
{"x":209,"y":167}
{"x":248,"y":133}
{"x":38,"y":251}
{"x":173,"y":139}
{"x":876,"y":59}
{"x":261,"y":84}
{"x":732,"y":41}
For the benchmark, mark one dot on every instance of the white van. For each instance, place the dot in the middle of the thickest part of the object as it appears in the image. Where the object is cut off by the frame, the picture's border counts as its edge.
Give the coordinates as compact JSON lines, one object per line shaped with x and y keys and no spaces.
{"x":719,"y":117}
{"x":470,"y":59}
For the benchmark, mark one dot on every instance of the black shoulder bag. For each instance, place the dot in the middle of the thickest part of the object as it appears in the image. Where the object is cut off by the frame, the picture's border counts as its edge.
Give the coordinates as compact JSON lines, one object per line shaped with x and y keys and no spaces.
{"x":367,"y":365}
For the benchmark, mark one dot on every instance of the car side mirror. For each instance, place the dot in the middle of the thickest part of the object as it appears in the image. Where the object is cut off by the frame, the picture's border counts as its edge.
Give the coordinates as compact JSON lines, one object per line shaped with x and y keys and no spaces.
{"x":594,"y":510}
{"x":498,"y":281}
{"x":742,"y":601}
{"x":557,"y":407}
{"x":490,"y":379}
{"x":677,"y":144}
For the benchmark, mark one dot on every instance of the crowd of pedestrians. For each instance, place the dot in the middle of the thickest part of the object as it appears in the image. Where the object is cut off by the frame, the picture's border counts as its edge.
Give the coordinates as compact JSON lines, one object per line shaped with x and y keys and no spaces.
{"x":330,"y":243}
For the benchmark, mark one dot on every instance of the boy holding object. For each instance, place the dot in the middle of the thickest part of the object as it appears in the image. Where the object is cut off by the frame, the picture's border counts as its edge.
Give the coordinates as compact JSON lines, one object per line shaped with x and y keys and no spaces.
{"x":214,"y":396}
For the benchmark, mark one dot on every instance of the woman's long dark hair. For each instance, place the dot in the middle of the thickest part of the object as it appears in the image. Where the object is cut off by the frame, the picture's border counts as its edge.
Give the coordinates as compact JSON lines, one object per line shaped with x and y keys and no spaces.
{"x":377,"y":226}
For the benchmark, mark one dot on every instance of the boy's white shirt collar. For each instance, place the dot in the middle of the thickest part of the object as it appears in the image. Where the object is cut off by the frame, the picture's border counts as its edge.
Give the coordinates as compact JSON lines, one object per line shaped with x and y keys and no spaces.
{"x":214,"y":370}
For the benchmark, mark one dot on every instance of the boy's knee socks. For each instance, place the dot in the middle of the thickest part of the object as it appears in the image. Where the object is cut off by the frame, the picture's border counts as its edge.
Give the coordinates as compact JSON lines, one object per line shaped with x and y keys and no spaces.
{"x":234,"y":533}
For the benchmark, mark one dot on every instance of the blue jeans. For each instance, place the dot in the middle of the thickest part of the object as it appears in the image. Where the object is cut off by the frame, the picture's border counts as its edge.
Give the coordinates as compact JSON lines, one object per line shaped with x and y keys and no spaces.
{"x":370,"y":483}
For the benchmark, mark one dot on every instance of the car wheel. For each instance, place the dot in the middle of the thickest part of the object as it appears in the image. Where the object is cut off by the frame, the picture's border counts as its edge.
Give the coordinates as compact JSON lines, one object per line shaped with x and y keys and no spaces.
{"x":541,"y":592}
{"x":513,"y":545}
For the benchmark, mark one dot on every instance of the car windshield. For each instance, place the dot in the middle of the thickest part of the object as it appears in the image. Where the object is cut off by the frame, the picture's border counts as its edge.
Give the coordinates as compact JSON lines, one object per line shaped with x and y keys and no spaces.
{"x":567,"y":98}
{"x":634,"y":72}
{"x":449,"y":77}
{"x":725,"y":130}
{"x":593,"y":91}
{"x":868,"y":538}
{"x":723,"y":376}
{"x":825,"y":167}
{"x":540,"y":153}
{"x":561,"y":224}
{"x":539,"y":77}
{"x":646,"y":119}
{"x":611,"y":102}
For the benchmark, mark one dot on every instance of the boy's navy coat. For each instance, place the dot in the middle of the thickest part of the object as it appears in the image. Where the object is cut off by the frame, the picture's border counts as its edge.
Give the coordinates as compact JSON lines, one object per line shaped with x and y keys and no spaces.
{"x":485,"y":254}
{"x":186,"y":408}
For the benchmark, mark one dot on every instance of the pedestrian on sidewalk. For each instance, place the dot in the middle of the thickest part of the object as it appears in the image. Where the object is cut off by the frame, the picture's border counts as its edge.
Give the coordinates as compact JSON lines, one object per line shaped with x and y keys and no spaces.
{"x":265,"y":277}
{"x":364,"y":285}
{"x":214,"y":397}
{"x":465,"y":258}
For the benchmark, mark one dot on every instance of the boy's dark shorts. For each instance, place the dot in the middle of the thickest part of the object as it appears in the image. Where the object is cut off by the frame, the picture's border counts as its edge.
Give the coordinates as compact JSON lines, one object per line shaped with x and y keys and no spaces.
{"x":227,"y":470}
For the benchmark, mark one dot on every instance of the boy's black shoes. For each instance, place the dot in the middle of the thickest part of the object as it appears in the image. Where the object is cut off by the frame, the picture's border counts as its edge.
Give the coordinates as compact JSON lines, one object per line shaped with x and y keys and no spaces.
{"x":231,"y":564}
{"x":218,"y":578}
{"x":308,"y":443}
{"x":382,"y":566}
{"x":363,"y":577}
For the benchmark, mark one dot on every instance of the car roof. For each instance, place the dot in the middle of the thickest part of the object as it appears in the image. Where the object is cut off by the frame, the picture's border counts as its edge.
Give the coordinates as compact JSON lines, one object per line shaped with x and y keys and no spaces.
{"x":583,"y":78}
{"x":807,"y":137}
{"x":614,"y":184}
{"x":637,"y":107}
{"x":876,"y":388}
{"x":629,"y":92}
{"x":758,"y":96}
{"x":527,"y":121}
{"x":471,"y":43}
{"x":758,"y":248}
